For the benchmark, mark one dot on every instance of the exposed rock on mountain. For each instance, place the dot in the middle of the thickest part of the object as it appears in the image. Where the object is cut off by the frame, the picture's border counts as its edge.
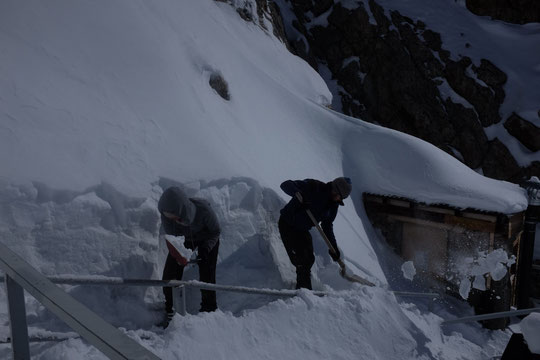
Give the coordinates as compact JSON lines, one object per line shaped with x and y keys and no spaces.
{"x":514,"y":11}
{"x":392,"y":70}
{"x":526,"y":132}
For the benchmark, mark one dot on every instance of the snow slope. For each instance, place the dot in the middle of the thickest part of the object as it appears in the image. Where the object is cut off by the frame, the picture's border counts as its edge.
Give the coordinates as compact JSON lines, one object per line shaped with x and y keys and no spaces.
{"x":103,"y":105}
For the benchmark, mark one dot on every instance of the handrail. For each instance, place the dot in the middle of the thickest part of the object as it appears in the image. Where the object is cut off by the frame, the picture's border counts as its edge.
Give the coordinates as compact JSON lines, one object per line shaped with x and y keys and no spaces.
{"x":103,"y":280}
{"x":491,"y":316}
{"x":98,"y":332}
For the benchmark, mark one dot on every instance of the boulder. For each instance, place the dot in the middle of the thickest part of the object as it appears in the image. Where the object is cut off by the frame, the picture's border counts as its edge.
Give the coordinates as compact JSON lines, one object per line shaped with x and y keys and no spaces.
{"x":526,"y":132}
{"x":499,"y":163}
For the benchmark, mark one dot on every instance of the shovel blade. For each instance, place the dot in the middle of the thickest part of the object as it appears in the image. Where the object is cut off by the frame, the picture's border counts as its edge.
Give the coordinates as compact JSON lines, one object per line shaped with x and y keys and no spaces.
{"x":353,"y":277}
{"x":176,"y":254}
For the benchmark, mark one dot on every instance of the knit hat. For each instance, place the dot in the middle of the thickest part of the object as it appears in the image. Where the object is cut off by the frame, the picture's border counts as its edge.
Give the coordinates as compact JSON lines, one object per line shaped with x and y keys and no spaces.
{"x":343,"y":187}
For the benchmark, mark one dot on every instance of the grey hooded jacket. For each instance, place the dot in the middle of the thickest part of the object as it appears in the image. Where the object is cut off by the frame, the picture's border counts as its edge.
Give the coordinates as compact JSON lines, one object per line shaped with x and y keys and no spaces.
{"x":199,"y":224}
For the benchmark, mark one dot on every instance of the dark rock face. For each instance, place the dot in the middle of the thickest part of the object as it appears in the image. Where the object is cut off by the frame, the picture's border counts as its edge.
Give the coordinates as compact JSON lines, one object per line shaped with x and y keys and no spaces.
{"x":532,"y":170}
{"x":527,"y":133}
{"x":486,"y":100}
{"x":264,"y":8}
{"x":499,"y":163}
{"x":391,"y":70}
{"x":470,"y":138}
{"x":514,"y":11}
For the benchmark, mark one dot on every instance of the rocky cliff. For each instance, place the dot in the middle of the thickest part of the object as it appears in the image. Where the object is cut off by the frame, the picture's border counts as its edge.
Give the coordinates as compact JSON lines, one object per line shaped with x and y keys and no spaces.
{"x":394,"y":71}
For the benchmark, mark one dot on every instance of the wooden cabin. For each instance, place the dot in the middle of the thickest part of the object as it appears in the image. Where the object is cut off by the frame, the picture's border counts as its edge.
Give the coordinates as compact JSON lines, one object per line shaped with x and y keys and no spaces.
{"x":435,"y":237}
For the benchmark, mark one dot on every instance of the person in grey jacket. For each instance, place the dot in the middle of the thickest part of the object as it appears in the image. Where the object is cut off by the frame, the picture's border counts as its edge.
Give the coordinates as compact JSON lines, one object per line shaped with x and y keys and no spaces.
{"x":194,"y":219}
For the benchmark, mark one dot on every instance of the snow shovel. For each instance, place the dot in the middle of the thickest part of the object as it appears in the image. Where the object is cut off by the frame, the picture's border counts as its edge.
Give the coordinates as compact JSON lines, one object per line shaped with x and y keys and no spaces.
{"x":343,"y":271}
{"x":176,"y":254}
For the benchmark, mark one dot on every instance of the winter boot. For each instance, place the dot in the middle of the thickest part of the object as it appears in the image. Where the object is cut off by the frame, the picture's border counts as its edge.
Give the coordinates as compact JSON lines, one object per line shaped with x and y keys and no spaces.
{"x":167,"y":319}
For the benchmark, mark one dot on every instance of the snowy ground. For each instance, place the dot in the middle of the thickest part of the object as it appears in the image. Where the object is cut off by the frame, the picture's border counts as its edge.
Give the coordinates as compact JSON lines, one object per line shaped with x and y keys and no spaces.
{"x":103,"y":105}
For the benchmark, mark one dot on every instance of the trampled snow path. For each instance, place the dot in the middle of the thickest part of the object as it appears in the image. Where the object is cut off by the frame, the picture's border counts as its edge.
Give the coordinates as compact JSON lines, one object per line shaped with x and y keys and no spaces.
{"x":347,"y":325}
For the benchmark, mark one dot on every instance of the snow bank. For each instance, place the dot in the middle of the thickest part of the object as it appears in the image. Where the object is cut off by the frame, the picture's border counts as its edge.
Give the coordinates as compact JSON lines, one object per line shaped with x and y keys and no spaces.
{"x":347,"y":325}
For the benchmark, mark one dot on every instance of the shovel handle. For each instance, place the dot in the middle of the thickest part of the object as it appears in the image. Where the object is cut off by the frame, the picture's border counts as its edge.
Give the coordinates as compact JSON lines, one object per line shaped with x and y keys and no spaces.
{"x":330,"y":246}
{"x":343,"y":271}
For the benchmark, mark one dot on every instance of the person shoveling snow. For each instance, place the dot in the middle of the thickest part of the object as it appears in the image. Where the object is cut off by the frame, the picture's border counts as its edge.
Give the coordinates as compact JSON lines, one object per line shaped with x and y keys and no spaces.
{"x":194,"y":219}
{"x":313,"y":201}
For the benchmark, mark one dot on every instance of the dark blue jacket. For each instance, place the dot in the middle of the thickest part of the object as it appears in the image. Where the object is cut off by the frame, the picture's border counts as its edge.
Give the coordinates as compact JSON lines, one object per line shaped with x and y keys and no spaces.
{"x":318,"y":196}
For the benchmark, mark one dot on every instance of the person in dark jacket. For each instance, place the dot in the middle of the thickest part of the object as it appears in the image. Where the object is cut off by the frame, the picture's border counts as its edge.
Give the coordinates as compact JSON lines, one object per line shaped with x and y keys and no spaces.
{"x":194,"y":219}
{"x":322,"y":199}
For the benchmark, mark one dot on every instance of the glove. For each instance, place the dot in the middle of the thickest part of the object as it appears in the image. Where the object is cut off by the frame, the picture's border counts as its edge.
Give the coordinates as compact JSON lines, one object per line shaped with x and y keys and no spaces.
{"x":335,"y":255}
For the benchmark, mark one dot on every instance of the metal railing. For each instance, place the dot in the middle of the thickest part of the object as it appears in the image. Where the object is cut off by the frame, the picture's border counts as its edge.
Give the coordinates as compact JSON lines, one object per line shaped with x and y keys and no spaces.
{"x":179,"y":287}
{"x":20,"y":276}
{"x":491,"y":316}
{"x":89,"y":325}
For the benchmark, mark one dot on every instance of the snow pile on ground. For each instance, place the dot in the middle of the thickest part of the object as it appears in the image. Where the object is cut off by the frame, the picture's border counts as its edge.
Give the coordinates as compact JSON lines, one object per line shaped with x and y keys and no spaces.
{"x":346,"y":325}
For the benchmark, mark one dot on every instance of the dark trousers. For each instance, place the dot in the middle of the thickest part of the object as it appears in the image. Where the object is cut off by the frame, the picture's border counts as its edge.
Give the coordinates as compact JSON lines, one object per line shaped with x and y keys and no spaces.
{"x":207,"y":273}
{"x":299,"y":246}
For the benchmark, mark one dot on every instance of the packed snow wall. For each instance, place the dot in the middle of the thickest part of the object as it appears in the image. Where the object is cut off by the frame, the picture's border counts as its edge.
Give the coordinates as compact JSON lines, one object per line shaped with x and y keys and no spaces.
{"x":102,"y":232}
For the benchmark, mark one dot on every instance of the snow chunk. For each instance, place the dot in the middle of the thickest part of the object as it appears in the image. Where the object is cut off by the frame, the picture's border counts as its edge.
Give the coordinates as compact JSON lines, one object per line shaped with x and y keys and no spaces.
{"x":92,"y":200}
{"x":178,"y":243}
{"x":465,"y":288}
{"x":494,"y":264}
{"x":408,"y":270}
{"x":531,"y":331}
{"x":479,"y":283}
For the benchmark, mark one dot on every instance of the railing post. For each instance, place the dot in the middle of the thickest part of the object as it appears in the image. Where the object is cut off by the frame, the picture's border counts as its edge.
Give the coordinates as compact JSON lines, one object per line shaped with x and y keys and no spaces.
{"x":105,"y":337}
{"x":526,"y":246}
{"x":17,"y":320}
{"x":179,"y":299}
{"x":183,"y":310}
